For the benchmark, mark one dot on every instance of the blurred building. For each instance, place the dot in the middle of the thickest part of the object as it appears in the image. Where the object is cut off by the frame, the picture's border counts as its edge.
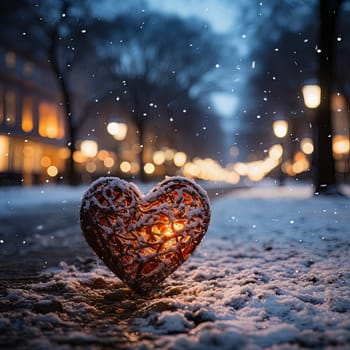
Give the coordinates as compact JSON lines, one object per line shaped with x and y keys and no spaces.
{"x":32,"y":128}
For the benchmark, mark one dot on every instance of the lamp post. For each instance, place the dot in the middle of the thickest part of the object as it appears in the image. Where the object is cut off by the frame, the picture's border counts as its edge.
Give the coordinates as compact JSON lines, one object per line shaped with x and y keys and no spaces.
{"x":341,"y":150}
{"x":280,"y":129}
{"x":312,"y":100}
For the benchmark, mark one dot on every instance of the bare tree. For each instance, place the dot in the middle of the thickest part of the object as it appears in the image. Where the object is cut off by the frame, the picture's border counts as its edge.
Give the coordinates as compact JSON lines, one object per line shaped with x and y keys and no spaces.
{"x":166,"y":62}
{"x":325,"y":180}
{"x":61,"y":34}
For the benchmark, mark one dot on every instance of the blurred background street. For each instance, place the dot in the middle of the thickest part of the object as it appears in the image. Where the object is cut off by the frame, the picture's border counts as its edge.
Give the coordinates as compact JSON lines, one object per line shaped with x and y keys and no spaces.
{"x":212,"y":90}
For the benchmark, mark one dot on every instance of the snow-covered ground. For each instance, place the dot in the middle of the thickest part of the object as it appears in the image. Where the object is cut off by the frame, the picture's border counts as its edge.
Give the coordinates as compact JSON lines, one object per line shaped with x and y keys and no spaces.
{"x":273,"y":272}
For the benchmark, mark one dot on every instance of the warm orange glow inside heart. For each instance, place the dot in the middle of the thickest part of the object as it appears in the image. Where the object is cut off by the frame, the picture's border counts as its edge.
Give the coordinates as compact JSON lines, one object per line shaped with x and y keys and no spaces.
{"x":143,"y":239}
{"x":163,"y":234}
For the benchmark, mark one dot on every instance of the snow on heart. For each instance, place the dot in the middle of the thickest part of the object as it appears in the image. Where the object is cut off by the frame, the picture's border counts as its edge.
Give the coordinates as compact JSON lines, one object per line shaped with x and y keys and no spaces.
{"x":143,"y":239}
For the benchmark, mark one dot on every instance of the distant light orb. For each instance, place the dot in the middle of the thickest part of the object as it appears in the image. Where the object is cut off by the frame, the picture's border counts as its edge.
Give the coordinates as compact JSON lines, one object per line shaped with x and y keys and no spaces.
{"x":103,"y":154}
{"x":125,"y":166}
{"x":307,"y":145}
{"x":276,"y":152}
{"x":79,"y":157}
{"x":89,"y":148}
{"x":158,"y":157}
{"x":90,"y":167}
{"x":280,"y":128}
{"x":149,"y":168}
{"x":52,"y":171}
{"x":169,"y":154}
{"x":45,"y":161}
{"x":108,"y":162}
{"x":180,"y":159}
{"x":191,"y":170}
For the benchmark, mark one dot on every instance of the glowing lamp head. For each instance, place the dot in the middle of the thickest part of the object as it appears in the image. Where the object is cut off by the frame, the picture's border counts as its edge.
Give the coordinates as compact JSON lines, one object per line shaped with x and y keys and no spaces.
{"x":311,"y":95}
{"x":280,"y":128}
{"x":341,"y":145}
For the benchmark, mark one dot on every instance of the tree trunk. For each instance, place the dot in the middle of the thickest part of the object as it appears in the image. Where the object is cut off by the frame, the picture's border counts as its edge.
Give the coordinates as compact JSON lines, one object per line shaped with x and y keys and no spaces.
{"x":325,"y":181}
{"x":138,"y":90}
{"x":72,"y":177}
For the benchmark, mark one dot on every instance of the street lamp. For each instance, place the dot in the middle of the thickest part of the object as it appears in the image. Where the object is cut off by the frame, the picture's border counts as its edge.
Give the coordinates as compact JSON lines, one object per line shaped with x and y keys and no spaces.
{"x":312,"y":100}
{"x":341,"y":145}
{"x":280,"y":129}
{"x":311,"y":95}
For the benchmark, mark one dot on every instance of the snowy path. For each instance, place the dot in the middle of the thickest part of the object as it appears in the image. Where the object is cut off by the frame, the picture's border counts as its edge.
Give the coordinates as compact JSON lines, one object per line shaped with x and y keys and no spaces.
{"x":273,"y":272}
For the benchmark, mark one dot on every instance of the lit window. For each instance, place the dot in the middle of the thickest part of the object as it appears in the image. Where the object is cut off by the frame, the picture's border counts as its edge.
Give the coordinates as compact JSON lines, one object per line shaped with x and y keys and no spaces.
{"x":52,"y":171}
{"x":51,"y":123}
{"x":10,"y":60}
{"x":4,"y":153}
{"x":28,"y":68}
{"x":10,"y":108}
{"x":27,"y":114}
{"x":48,"y":121}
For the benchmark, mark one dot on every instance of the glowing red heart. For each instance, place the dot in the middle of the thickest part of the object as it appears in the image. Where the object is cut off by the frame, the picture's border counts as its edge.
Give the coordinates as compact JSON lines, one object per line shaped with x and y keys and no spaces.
{"x":143,"y":239}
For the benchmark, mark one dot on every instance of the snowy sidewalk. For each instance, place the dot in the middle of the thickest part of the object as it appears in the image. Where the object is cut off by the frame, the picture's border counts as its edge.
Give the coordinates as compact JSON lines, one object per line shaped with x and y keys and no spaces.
{"x":273,"y":272}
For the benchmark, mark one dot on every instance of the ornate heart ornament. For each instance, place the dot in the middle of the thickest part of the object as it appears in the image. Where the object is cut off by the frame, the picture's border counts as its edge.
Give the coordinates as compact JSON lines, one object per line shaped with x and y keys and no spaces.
{"x":144,"y":238}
